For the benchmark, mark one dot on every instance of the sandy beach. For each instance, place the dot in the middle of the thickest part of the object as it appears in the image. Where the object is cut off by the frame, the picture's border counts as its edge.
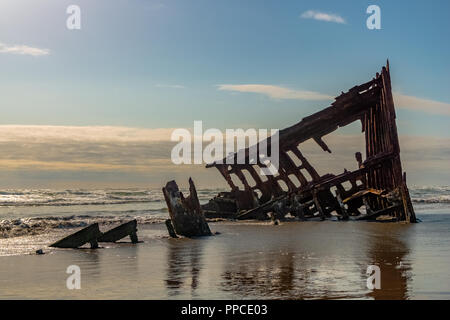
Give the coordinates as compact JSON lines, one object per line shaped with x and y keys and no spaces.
{"x":245,"y":260}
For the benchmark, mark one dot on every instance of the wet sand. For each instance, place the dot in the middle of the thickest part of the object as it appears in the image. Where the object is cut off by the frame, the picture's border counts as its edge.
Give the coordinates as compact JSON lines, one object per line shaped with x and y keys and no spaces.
{"x":295,"y":260}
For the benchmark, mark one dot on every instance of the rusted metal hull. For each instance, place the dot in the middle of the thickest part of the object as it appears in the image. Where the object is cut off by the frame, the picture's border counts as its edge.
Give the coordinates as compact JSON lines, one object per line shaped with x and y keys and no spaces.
{"x":319,"y":196}
{"x":186,"y":214}
{"x":93,"y":235}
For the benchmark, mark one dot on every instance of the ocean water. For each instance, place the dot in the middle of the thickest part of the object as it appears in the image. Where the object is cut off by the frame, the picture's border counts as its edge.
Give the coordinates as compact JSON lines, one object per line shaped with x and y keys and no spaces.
{"x":22,"y":209}
{"x":28,"y":211}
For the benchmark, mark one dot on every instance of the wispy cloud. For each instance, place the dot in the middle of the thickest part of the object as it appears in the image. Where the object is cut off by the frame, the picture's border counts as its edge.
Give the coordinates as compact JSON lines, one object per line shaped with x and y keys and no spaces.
{"x":322,"y":16}
{"x":421,"y":104}
{"x":173,"y":86}
{"x":23,"y":50}
{"x":275,"y":92}
{"x":94,"y":134}
{"x":402,"y":101}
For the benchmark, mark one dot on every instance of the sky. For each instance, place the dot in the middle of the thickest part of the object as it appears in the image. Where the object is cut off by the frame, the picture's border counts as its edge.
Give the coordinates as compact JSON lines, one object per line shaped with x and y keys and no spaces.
{"x":95,"y":107}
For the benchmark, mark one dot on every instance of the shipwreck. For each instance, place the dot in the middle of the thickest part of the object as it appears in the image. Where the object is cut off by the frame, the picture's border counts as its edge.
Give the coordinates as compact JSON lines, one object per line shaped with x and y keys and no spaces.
{"x":378,"y":189}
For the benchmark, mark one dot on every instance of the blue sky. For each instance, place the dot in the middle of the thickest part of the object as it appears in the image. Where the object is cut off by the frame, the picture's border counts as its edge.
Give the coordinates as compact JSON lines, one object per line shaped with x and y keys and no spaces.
{"x":161,"y":64}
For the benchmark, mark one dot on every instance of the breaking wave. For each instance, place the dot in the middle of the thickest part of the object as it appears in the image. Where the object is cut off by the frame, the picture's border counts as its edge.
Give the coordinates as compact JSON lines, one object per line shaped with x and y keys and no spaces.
{"x":36,"y":211}
{"x":428,"y":194}
{"x":38,"y":225}
{"x":29,"y":212}
{"x":45,"y":197}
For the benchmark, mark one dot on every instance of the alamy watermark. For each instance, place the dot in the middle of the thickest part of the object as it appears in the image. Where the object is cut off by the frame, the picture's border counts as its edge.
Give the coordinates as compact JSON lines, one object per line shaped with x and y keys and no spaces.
{"x":74,"y":280}
{"x":236,"y":141}
{"x":73,"y":22}
{"x":373,"y":22}
{"x":374,"y":277}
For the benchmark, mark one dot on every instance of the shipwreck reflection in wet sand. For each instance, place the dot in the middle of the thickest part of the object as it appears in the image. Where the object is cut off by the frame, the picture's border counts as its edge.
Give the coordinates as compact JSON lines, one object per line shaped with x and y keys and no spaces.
{"x":390,"y":252}
{"x":184,"y":263}
{"x":305,"y":266}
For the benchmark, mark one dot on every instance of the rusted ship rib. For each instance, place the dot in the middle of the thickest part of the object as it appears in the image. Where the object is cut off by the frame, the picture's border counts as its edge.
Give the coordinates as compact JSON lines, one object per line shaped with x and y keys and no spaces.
{"x":378,"y":185}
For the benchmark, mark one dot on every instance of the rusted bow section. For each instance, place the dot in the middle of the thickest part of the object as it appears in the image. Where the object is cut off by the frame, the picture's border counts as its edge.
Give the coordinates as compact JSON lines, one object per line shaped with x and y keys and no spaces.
{"x":378,"y":185}
{"x":186,"y":216}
